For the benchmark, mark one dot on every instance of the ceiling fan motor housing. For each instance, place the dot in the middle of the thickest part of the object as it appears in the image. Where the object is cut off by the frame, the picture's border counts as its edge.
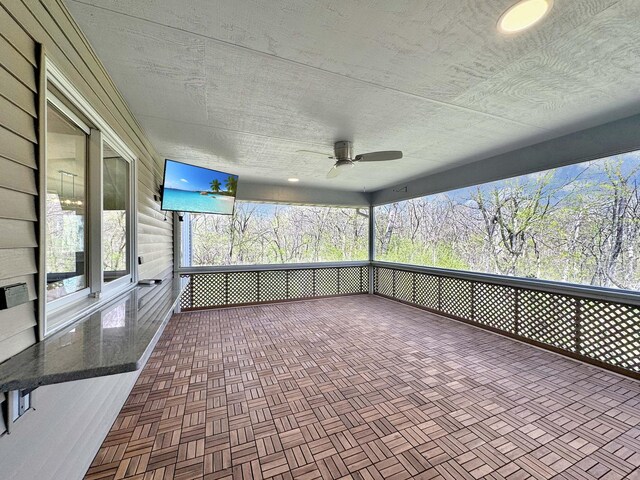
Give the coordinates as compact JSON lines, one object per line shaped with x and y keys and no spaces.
{"x":343,"y":150}
{"x":343,"y":164}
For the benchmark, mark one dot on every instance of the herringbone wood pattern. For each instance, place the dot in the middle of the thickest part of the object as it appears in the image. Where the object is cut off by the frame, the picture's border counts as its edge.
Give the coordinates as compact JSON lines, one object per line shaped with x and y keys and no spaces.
{"x":366,"y":388}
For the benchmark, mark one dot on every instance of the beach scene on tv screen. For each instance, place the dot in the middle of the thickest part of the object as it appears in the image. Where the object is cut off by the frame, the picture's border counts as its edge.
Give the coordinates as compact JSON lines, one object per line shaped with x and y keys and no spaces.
{"x":188,"y":188}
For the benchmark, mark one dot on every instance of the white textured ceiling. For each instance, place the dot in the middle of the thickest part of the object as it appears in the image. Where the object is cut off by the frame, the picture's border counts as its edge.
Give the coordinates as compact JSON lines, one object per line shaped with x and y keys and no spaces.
{"x":241,"y":85}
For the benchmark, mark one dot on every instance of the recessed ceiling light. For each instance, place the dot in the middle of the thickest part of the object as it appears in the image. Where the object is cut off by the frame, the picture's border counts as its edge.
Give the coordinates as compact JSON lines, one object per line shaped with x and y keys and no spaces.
{"x":293,"y":179}
{"x":523,"y":15}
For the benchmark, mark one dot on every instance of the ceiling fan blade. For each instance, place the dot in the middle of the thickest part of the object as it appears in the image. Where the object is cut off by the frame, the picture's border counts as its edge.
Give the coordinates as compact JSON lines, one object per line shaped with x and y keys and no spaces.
{"x":334,"y":172}
{"x":378,"y":156}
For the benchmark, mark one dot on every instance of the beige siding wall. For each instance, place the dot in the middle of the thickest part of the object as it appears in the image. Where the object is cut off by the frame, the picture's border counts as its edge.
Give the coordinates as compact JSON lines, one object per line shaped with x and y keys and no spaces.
{"x":18,"y":174}
{"x":25,"y":25}
{"x":85,"y":410}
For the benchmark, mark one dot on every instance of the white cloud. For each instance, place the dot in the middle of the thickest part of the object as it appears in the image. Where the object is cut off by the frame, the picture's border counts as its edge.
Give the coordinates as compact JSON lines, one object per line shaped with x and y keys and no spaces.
{"x":183,"y":180}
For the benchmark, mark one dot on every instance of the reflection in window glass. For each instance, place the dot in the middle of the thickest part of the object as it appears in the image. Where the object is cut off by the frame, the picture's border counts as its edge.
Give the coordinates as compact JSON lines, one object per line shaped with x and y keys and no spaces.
{"x":115,"y":177}
{"x":66,"y":264}
{"x":577,"y":224}
{"x":265,"y":233}
{"x":114,"y":317}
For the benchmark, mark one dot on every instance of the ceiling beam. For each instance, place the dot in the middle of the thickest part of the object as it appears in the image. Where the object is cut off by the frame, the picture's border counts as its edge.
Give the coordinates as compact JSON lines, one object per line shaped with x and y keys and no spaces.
{"x":611,"y":138}
{"x":300,"y":195}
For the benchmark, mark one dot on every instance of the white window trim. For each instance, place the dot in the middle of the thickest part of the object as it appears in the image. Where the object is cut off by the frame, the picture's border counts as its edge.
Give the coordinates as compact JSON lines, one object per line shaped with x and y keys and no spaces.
{"x":107,"y":288}
{"x":60,"y":81}
{"x":57,"y":314}
{"x":60,"y":105}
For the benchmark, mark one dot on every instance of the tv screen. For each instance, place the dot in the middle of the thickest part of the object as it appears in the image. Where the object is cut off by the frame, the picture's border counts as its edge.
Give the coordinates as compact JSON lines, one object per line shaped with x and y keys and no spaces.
{"x":188,"y":188}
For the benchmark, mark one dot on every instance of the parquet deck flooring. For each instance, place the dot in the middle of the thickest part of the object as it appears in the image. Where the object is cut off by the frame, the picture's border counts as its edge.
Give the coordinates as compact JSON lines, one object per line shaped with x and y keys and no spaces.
{"x":366,"y":388}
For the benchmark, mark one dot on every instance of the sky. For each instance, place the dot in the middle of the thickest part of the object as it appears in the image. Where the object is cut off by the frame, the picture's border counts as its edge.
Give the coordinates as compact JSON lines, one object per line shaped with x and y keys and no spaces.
{"x":591,"y":172}
{"x":189,"y":177}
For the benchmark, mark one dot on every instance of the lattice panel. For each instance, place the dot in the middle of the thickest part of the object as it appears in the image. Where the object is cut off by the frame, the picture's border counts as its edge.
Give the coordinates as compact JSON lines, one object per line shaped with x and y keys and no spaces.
{"x":456,"y":297}
{"x":326,"y":282}
{"x":350,"y":280}
{"x":208,"y":289}
{"x":495,"y":306}
{"x":427,"y":290}
{"x":404,"y":285}
{"x":300,"y":283}
{"x":610,"y":332}
{"x":548,"y":318}
{"x":185,"y":298}
{"x":243,"y":287}
{"x":273,"y":285}
{"x":384,"y":281}
{"x":604,"y":331}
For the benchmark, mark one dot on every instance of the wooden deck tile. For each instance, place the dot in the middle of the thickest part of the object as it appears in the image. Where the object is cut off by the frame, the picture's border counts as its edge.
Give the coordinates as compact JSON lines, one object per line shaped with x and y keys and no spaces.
{"x":365,"y":388}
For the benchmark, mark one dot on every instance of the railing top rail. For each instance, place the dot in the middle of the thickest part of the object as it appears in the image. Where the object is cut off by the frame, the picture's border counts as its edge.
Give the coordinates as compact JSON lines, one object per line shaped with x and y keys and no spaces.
{"x":268,"y":267}
{"x":584,"y":291}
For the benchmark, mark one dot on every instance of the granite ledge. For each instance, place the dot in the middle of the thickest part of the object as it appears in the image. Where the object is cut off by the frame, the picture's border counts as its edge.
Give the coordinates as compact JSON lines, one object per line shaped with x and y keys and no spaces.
{"x":116,"y":338}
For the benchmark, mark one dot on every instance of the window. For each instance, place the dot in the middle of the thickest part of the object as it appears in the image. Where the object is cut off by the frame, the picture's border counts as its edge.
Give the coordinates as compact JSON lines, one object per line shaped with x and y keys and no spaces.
{"x":116,"y":261}
{"x":66,"y":203}
{"x":87,"y":235}
{"x":577,"y":224}
{"x":268,"y":234}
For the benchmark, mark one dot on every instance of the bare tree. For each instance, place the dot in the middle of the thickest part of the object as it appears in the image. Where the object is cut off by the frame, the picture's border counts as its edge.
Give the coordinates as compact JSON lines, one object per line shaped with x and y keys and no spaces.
{"x":580,"y":224}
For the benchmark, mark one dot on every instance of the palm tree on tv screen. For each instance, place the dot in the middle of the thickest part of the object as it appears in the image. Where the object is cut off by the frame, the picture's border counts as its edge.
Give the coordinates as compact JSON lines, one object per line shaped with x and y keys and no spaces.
{"x":231,"y":183}
{"x":215,"y":185}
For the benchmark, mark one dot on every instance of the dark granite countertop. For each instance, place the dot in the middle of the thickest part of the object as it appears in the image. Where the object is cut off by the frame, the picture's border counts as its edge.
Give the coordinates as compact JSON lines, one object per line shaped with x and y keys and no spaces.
{"x":117,"y":338}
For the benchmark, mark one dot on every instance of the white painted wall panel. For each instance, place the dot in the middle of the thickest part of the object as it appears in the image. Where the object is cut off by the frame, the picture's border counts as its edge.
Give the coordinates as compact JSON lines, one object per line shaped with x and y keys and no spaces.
{"x":59,"y":439}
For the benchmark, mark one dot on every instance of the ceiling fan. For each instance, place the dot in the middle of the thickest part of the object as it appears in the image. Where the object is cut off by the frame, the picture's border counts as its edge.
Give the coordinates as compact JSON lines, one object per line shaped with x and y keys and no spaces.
{"x":343,"y":154}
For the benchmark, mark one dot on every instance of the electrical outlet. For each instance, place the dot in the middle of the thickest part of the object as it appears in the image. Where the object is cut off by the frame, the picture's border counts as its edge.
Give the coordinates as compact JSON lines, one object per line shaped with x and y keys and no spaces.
{"x":13,"y":295}
{"x":18,"y":403}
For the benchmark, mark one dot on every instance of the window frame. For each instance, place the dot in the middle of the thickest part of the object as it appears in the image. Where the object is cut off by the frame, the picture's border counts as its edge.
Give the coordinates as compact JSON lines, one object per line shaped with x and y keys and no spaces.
{"x":65,"y":111}
{"x":125,"y":280}
{"x":59,"y":313}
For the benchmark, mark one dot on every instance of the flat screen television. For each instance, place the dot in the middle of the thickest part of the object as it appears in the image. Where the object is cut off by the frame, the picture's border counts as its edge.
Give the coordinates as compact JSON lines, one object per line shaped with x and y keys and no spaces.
{"x":188,"y":188}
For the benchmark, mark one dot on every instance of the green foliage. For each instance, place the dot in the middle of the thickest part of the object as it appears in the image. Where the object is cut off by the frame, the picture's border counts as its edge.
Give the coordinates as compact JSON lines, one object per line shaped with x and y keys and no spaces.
{"x":441,"y":254}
